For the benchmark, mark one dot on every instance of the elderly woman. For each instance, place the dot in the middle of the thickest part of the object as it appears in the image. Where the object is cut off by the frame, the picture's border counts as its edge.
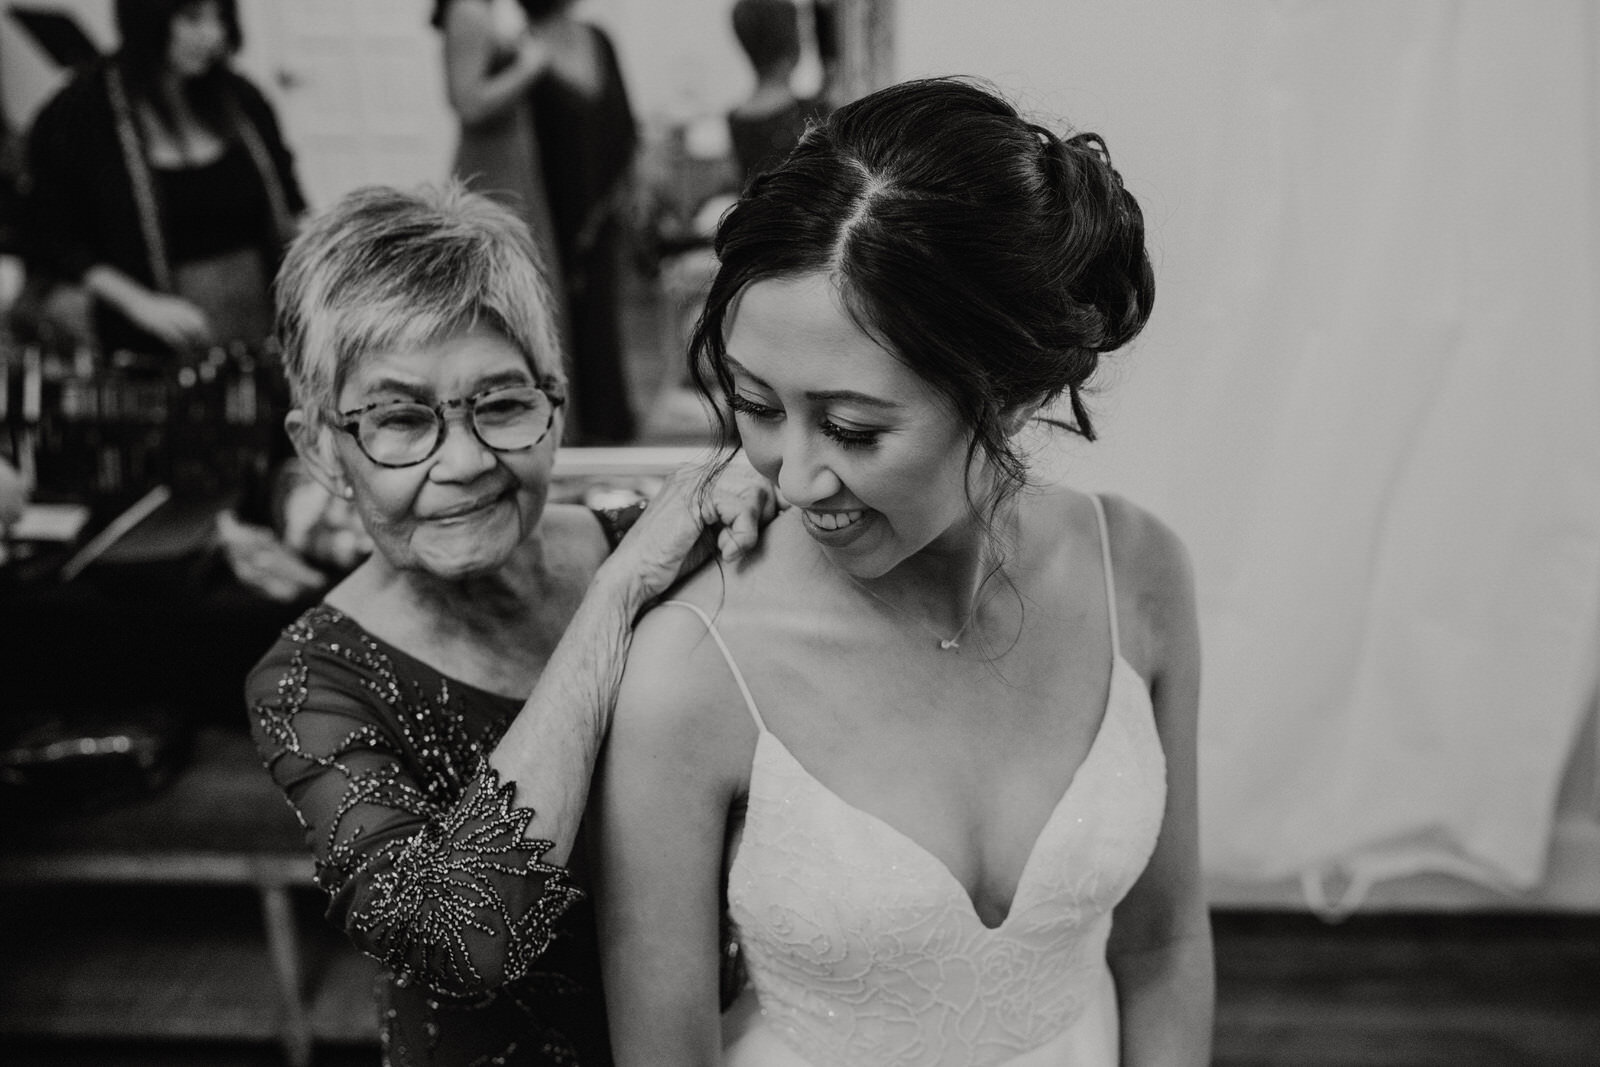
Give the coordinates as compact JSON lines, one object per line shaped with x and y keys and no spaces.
{"x":441,"y":799}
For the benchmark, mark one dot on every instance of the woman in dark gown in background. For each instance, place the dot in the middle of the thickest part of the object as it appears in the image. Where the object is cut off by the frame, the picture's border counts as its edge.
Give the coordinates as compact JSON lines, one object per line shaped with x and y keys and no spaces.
{"x":492,"y":58}
{"x":585,"y":126}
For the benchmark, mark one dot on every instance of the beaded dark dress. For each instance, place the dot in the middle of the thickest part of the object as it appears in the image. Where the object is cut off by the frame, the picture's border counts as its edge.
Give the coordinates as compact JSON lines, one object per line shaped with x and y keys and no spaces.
{"x":490,"y":952}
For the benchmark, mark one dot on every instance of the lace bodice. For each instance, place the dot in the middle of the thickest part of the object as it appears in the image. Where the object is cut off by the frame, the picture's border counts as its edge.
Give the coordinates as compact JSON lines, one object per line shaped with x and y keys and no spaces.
{"x":864,"y":950}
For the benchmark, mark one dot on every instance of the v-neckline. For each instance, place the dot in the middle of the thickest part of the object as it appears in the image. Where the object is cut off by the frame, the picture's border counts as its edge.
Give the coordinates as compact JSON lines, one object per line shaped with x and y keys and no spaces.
{"x":1118,"y":667}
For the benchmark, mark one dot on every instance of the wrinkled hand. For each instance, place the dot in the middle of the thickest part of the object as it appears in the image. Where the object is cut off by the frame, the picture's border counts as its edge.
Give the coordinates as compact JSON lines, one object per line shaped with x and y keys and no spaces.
{"x":684,"y":525}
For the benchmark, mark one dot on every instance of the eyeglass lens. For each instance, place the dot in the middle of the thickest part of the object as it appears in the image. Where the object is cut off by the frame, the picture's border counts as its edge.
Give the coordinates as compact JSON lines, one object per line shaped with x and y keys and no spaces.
{"x":506,"y":420}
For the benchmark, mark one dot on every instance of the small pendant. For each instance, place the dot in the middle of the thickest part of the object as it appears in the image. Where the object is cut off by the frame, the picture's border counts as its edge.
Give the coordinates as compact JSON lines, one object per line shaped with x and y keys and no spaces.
{"x":947,"y":643}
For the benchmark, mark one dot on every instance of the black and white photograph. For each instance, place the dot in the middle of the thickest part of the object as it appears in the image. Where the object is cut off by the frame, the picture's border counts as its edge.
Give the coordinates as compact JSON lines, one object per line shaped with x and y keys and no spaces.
{"x":800,"y":533}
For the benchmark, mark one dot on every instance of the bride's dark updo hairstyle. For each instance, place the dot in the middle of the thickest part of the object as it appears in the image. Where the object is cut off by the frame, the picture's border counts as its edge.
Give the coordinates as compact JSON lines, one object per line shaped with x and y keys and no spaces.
{"x":994,"y":258}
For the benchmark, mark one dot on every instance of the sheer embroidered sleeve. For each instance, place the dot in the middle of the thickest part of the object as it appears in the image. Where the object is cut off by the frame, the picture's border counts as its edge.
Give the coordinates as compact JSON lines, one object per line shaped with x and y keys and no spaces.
{"x":416,"y":840}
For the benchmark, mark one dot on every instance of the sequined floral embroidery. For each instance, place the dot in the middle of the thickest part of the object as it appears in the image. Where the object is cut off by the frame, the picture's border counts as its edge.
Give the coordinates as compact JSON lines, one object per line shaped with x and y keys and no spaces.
{"x":418,"y":842}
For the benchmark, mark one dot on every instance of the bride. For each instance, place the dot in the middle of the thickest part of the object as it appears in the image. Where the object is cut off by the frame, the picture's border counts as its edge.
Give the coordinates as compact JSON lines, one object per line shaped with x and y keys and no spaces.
{"x":933,"y":748}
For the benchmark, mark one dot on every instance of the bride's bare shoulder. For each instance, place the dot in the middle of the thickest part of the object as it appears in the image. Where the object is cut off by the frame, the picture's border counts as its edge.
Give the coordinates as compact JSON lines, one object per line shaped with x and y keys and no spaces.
{"x":1144,"y":549}
{"x":676,"y":663}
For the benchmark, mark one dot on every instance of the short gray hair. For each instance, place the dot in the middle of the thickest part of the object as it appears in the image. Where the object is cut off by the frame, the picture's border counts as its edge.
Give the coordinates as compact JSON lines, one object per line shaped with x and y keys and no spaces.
{"x":387,"y":268}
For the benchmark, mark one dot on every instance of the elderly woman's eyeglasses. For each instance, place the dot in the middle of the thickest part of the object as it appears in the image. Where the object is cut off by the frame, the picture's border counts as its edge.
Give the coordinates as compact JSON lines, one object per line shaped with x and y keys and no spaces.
{"x":403,"y":433}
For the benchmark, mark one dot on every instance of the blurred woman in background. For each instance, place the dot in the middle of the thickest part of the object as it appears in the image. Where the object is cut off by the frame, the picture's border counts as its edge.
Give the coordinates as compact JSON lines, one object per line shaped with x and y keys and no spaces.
{"x":546,"y":126}
{"x":586,"y":129}
{"x":492,"y":56}
{"x":160,"y":184}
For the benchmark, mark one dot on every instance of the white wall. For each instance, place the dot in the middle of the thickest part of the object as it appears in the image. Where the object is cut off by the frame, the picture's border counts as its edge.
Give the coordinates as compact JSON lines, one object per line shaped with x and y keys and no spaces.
{"x":27,"y":75}
{"x":681,"y":59}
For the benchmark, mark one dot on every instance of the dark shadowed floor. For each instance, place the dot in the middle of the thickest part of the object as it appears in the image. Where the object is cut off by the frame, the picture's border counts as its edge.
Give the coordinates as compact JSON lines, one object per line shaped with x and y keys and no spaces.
{"x":1397,"y":991}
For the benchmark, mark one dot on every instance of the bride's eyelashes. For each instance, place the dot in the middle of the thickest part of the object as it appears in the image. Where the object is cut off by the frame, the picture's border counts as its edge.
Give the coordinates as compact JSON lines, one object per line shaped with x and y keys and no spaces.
{"x":844,"y":435}
{"x":743,"y":405}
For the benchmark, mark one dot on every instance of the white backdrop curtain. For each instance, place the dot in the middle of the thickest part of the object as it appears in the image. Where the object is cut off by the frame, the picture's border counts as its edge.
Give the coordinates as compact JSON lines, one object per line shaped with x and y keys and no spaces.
{"x":1369,"y":398}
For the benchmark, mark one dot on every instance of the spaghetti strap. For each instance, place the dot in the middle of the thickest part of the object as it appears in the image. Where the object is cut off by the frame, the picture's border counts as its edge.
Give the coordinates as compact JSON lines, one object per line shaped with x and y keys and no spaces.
{"x":1111,"y":583}
{"x":738,"y":676}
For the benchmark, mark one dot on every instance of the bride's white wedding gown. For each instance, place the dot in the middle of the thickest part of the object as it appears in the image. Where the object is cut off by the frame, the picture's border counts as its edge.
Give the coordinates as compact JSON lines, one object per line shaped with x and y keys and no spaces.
{"x":863,"y":950}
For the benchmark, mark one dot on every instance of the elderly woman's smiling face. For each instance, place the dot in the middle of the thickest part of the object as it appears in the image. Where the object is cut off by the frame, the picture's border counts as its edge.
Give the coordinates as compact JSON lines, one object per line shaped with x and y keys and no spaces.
{"x":464,"y":510}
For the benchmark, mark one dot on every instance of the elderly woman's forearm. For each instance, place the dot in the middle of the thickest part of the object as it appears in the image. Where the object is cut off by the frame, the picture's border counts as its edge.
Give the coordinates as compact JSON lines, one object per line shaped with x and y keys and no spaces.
{"x":549,"y":750}
{"x":464,"y":905}
{"x":449,"y":892}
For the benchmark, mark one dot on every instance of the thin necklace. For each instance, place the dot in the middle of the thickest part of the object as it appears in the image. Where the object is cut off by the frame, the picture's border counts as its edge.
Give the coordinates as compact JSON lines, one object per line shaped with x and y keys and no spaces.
{"x":947,"y":644}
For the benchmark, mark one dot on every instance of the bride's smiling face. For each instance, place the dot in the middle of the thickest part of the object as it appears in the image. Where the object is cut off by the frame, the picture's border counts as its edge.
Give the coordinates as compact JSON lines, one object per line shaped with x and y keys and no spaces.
{"x":872,"y":457}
